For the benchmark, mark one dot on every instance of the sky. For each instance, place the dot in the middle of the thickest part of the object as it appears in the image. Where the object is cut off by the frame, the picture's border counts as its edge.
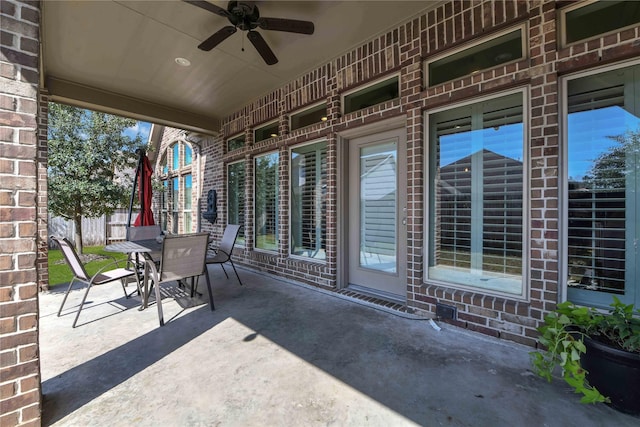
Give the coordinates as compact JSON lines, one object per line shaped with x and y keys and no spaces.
{"x":142,"y":128}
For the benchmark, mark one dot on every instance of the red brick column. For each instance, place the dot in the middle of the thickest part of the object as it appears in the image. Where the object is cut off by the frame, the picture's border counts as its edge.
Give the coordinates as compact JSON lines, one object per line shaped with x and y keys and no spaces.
{"x":20,"y":394}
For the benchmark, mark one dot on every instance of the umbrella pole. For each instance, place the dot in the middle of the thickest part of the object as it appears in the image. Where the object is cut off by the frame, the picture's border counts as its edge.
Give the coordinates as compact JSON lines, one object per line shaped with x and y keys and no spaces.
{"x":135,"y":184}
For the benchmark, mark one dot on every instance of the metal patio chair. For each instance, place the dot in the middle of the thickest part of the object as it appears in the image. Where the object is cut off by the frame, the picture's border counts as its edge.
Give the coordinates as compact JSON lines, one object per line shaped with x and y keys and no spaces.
{"x":145,"y":232}
{"x":183,"y":257}
{"x":224,"y":251}
{"x":104,"y":275}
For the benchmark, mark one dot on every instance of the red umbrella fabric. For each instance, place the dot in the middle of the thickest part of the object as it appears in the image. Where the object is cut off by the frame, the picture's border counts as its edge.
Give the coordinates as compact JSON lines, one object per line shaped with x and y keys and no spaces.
{"x":145,"y":193}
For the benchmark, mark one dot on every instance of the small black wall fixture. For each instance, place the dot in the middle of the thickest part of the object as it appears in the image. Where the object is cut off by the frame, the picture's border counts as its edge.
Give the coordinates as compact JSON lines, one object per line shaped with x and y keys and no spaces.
{"x":211,"y":214}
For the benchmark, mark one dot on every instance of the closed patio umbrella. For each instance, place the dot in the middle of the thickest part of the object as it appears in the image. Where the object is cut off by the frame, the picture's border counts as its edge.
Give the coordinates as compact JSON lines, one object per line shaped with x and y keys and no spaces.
{"x":145,"y":192}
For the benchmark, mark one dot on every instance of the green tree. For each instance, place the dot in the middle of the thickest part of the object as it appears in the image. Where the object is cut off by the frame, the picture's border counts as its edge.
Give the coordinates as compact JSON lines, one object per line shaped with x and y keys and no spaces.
{"x":87,"y":151}
{"x":610,"y":168}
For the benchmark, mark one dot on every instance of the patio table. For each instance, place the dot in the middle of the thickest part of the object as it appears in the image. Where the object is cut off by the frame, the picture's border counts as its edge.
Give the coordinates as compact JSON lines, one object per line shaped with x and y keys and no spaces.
{"x":143,"y":247}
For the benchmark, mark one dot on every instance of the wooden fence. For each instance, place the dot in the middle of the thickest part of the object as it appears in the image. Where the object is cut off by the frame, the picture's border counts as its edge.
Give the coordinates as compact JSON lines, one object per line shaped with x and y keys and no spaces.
{"x":95,"y":231}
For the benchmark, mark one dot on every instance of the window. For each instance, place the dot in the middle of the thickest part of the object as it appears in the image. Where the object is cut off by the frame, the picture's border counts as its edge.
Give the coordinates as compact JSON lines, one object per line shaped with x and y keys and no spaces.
{"x":309,"y":116}
{"x":188,"y":155}
{"x":598,"y":18}
{"x":235,"y":191}
{"x":176,"y":156}
{"x":371,"y":95}
{"x":476,"y":187}
{"x":308,"y":200}
{"x":267,"y":131}
{"x":603,"y":187}
{"x":186,"y":212}
{"x":236,"y":142}
{"x":164,"y":204}
{"x":499,"y":50}
{"x":163,"y":164}
{"x":266,"y":200}
{"x":175,"y":205}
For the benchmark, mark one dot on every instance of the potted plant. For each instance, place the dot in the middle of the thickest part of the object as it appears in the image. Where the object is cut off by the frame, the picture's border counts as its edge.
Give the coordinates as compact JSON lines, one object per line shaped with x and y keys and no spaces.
{"x":599,"y":353}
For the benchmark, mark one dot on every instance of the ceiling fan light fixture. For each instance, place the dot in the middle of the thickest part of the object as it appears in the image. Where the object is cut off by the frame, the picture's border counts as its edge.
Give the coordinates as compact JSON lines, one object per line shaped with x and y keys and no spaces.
{"x":183,"y":62}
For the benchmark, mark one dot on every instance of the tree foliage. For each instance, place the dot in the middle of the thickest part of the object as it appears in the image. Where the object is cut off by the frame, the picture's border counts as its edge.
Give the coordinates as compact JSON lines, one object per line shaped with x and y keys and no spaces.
{"x":610,"y":168}
{"x":87,"y":151}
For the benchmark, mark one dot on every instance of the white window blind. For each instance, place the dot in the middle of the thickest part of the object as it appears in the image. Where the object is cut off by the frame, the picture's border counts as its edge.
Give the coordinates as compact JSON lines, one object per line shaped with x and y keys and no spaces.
{"x":308,"y":200}
{"x":596,"y":187}
{"x":476,"y":192}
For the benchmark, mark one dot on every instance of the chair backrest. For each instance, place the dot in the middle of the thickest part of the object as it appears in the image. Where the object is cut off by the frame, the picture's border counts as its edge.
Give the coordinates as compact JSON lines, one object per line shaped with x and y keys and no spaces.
{"x":145,"y":232}
{"x":229,"y":238}
{"x":72,"y":258}
{"x":183,"y":255}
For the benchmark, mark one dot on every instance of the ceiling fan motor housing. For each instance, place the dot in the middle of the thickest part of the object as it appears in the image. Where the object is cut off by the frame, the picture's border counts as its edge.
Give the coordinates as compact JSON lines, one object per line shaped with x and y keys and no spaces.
{"x":243,"y":15}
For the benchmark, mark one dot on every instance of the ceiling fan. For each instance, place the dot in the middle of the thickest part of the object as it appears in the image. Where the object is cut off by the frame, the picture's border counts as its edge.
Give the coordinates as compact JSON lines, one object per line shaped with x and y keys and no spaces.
{"x":244,"y":15}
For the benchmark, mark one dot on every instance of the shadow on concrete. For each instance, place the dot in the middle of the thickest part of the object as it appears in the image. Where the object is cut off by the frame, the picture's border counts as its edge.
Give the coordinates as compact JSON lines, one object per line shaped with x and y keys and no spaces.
{"x":450,"y":377}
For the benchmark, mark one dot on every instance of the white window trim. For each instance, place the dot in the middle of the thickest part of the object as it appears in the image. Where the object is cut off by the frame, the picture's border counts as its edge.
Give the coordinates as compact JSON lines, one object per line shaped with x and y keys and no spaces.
{"x":526,"y":189}
{"x":525,"y":52}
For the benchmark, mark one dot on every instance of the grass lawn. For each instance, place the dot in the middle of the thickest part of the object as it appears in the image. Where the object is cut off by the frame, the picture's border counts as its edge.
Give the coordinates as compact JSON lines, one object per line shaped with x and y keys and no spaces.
{"x":59,"y":271}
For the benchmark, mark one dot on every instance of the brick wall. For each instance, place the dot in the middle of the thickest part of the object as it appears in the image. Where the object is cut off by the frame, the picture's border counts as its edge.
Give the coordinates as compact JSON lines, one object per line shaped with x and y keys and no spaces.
{"x":403,"y":51}
{"x":20,"y":217}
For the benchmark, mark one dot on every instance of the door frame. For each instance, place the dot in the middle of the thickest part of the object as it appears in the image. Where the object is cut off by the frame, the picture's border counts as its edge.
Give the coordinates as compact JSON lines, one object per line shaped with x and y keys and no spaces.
{"x":342,"y":182}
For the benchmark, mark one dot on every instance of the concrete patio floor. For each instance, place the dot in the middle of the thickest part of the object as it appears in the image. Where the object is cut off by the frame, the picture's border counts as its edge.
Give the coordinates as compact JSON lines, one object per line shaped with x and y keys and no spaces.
{"x":279,"y":354}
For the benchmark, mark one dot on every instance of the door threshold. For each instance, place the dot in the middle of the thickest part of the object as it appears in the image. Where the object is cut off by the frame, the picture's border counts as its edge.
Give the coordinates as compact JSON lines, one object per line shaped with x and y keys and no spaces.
{"x":374,"y":296}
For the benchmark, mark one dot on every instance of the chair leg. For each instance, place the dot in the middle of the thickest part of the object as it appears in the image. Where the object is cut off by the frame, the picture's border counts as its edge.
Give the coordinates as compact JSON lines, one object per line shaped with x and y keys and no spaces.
{"x":84,"y":298}
{"x":195,"y":281}
{"x":124,"y":286}
{"x":66,"y":294}
{"x":225,"y":271}
{"x":206,"y":273}
{"x":159,"y":304}
{"x":236,"y":271}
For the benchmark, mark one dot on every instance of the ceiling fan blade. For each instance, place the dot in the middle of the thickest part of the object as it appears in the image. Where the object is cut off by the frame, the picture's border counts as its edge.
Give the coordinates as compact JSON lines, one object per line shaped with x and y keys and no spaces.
{"x":262,"y":47}
{"x":217,"y":38}
{"x":208,"y":6}
{"x":288,"y":25}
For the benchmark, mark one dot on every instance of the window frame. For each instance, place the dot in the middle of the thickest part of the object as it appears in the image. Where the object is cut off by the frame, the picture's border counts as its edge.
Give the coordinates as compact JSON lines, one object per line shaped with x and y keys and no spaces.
{"x":475,"y":43}
{"x":562,"y":24}
{"x":524,"y":294}
{"x":308,"y":109}
{"x":235,"y":138}
{"x":164,"y":204}
{"x":186,"y":149}
{"x":241,"y":240}
{"x":175,"y":203}
{"x":277,"y":204}
{"x":563,"y":204}
{"x":175,"y":160}
{"x":263,"y":127}
{"x":290,"y":154}
{"x":187,"y":212}
{"x":365,"y":87}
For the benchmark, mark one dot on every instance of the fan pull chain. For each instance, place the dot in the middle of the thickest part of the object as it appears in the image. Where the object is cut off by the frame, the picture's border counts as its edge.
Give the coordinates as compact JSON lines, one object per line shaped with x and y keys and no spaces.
{"x":242,"y":46}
